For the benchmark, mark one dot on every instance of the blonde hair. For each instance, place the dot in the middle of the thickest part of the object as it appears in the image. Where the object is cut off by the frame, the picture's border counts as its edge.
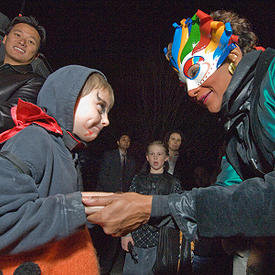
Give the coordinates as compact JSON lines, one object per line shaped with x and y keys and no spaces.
{"x":97,"y":81}
{"x":158,"y":142}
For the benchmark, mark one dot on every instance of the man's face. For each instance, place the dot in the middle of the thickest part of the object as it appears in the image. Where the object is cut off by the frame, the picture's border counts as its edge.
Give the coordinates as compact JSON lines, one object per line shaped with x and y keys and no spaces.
{"x":124,"y":142}
{"x":91,"y":114}
{"x":21,"y":44}
{"x":174,"y":142}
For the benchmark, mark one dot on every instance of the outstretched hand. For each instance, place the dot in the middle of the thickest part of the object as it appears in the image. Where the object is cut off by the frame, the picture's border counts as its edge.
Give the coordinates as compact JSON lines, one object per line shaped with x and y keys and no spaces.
{"x":122,"y":213}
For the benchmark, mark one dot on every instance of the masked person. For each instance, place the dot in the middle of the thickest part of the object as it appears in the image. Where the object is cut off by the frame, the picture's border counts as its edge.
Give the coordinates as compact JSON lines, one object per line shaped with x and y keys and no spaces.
{"x":216,"y":57}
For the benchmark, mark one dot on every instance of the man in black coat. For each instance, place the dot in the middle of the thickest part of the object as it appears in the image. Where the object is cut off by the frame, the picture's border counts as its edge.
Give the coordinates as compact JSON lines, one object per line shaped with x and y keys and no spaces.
{"x":115,"y":175}
{"x":22,"y":42}
{"x":117,"y":168}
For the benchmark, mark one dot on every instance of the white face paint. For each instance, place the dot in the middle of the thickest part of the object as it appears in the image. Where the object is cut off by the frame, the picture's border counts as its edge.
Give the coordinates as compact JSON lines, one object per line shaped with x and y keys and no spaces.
{"x":195,"y":69}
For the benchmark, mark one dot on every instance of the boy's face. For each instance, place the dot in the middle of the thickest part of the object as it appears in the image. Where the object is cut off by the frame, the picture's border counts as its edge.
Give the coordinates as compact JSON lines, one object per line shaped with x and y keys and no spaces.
{"x":91,"y":114}
{"x":156,"y":157}
{"x":21,"y":44}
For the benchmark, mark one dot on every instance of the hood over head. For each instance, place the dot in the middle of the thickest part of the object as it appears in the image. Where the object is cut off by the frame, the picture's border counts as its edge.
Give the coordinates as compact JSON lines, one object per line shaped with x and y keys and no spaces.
{"x":60,"y":91}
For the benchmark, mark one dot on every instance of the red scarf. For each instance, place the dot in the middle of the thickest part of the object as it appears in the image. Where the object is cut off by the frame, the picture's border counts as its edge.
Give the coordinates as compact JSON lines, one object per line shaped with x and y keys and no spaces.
{"x":25,"y":114}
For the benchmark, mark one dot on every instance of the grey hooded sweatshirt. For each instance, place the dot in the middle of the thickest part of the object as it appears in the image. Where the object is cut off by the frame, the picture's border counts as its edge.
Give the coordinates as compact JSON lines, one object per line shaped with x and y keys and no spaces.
{"x":45,"y":206}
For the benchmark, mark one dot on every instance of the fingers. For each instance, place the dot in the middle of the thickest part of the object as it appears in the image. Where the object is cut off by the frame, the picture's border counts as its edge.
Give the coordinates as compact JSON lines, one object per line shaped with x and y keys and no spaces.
{"x":89,"y":210}
{"x":96,"y":198}
{"x":124,"y":243}
{"x":121,"y":213}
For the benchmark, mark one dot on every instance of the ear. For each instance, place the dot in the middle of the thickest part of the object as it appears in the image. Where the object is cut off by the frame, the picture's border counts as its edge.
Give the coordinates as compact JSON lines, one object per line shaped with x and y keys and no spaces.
{"x":4,"y":39}
{"x":147,"y":158}
{"x":235,"y":56}
{"x":166,"y":158}
{"x":117,"y":143}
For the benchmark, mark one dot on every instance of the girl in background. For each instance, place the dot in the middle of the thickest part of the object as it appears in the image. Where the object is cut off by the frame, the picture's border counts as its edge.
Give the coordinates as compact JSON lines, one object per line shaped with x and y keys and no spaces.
{"x":158,"y":182}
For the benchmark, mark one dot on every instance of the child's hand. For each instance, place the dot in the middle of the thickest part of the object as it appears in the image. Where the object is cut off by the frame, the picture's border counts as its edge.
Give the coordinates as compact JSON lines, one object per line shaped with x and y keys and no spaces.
{"x":91,"y":209}
{"x":124,"y":242}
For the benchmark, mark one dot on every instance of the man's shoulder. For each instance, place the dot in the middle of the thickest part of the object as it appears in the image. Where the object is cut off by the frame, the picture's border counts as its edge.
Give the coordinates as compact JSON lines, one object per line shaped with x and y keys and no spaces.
{"x":24,"y":70}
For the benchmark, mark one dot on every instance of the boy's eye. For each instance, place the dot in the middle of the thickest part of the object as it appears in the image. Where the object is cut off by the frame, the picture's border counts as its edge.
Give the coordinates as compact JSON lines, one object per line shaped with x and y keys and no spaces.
{"x":101,"y":108}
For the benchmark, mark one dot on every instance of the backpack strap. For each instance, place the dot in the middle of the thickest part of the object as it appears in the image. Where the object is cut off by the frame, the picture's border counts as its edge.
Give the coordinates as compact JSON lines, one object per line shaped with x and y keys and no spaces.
{"x":262,"y":67}
{"x":19,"y":164}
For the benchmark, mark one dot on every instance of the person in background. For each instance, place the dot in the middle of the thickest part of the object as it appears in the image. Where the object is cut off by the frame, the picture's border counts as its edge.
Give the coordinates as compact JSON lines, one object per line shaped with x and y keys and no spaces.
{"x":23,"y":39}
{"x":115,"y":174}
{"x":217,"y":58}
{"x":145,"y":238}
{"x":178,"y":166}
{"x":42,"y":218}
{"x":117,"y":167}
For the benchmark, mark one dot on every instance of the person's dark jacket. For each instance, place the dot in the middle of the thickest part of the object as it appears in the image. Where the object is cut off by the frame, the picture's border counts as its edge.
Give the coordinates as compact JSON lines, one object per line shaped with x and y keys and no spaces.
{"x":152,"y":184}
{"x":16,"y":81}
{"x":46,"y":206}
{"x":247,"y":208}
{"x":183,"y":172}
{"x":110,"y":172}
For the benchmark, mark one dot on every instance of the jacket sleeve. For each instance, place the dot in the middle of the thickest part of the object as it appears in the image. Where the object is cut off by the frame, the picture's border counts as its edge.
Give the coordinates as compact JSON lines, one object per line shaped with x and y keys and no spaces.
{"x":246,"y":209}
{"x":29,"y":217}
{"x":27,"y":92}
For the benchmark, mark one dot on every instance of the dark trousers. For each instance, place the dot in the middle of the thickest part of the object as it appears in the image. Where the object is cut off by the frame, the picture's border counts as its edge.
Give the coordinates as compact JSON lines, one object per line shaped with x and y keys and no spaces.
{"x":219,"y":265}
{"x":108,"y":248}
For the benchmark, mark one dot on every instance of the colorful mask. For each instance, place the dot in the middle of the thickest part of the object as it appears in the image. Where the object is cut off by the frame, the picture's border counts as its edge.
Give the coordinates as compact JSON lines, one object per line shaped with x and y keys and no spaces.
{"x":200,"y":46}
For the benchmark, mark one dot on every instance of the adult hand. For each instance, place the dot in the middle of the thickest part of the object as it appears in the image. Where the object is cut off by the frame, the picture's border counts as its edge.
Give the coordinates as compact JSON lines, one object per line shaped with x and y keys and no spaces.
{"x":122,"y":213}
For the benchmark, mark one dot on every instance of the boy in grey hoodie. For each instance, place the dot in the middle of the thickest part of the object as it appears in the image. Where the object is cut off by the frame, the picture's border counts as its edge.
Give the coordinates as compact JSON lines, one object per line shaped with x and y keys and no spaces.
{"x":42,"y":218}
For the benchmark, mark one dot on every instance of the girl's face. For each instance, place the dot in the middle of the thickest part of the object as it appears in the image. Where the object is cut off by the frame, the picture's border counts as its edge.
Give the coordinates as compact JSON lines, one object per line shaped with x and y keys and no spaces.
{"x":91,"y":114}
{"x":156,"y":156}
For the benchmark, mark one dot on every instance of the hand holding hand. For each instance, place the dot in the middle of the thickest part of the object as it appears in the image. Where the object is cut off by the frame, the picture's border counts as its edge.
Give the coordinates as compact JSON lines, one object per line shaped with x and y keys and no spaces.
{"x":122,"y":213}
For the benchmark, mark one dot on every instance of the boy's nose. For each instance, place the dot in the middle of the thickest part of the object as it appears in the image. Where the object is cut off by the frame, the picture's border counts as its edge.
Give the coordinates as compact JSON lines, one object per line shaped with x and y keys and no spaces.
{"x":104,"y":120}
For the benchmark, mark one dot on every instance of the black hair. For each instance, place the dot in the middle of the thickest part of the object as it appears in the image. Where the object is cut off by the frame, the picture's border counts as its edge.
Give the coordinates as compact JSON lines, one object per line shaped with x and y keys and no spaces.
{"x":30,"y":20}
{"x":122,"y":134}
{"x":168,"y":134}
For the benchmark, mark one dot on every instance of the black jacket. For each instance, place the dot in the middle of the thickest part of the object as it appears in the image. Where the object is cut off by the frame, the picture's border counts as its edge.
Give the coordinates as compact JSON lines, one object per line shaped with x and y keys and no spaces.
{"x":152,"y":184}
{"x":246,"y":209}
{"x":110,"y":173}
{"x":16,"y":82}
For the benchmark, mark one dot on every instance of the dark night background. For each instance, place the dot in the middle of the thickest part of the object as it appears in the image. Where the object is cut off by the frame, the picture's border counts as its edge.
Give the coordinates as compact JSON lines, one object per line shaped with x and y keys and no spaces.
{"x":125,"y":40}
